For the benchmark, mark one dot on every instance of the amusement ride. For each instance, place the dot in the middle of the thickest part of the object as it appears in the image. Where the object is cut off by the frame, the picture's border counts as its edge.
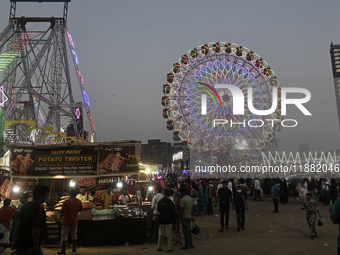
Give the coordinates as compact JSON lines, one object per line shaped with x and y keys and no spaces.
{"x":196,"y":98}
{"x":37,"y":98}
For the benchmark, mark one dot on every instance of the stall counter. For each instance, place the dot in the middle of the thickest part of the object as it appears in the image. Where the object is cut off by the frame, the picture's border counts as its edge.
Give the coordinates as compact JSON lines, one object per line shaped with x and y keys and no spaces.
{"x":111,"y":232}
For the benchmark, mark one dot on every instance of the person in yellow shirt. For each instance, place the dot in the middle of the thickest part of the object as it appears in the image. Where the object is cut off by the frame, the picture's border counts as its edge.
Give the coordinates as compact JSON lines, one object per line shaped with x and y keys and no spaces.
{"x":82,"y":196}
{"x":108,"y":199}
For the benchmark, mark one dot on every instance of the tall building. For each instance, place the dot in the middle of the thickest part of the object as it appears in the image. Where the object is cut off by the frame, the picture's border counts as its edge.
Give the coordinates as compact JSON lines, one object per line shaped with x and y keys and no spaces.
{"x":180,"y":157}
{"x":156,"y":152}
{"x":335,"y":59}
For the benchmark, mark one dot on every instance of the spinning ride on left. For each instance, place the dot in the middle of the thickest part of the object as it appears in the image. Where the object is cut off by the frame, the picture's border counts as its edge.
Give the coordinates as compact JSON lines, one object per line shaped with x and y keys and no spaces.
{"x":37,"y":99}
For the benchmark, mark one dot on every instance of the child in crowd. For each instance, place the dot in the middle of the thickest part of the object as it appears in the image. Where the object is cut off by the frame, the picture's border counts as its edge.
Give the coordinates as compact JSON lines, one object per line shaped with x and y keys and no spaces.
{"x":311,"y":208}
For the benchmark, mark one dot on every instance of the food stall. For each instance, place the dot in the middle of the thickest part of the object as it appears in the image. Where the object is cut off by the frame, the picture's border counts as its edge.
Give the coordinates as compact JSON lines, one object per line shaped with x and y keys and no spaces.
{"x":94,"y":167}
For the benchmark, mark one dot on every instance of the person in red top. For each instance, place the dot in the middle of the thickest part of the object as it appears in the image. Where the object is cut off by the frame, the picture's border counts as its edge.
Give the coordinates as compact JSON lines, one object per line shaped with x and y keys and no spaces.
{"x":7,"y":212}
{"x":187,"y":187}
{"x":69,"y":213}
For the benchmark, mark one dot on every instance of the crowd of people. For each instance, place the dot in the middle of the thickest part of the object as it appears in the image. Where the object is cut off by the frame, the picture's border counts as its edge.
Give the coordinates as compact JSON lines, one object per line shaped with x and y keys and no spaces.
{"x":175,"y":194}
{"x":23,"y":229}
{"x":175,"y":202}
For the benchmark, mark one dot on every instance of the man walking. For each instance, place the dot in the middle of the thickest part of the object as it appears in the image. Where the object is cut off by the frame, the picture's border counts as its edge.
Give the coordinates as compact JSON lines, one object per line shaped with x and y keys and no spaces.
{"x":167,"y":220}
{"x":257,"y":189}
{"x":210,"y":197}
{"x":155,"y":200}
{"x":240,"y":204}
{"x":185,"y":212}
{"x":275,"y":195}
{"x":69,"y":214}
{"x":31,"y":225}
{"x":326,"y":190}
{"x":223,"y":196}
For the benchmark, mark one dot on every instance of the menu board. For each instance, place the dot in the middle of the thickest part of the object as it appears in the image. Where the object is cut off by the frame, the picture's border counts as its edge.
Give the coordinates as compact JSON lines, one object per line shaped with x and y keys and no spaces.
{"x":51,"y":161}
{"x":53,"y":236}
{"x":117,"y":160}
{"x":25,"y":186}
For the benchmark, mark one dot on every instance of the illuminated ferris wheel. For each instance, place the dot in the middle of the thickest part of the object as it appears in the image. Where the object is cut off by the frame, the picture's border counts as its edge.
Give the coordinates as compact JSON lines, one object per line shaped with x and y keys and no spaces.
{"x":200,"y":100}
{"x":35,"y":78}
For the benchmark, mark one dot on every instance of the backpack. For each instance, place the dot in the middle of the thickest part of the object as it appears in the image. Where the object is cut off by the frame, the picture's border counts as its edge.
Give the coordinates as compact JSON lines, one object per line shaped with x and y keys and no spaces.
{"x":224,"y":195}
{"x":213,"y":191}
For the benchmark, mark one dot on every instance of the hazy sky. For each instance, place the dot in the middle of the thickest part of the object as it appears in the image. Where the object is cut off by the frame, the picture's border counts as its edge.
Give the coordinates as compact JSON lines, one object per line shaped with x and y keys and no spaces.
{"x":126,"y":48}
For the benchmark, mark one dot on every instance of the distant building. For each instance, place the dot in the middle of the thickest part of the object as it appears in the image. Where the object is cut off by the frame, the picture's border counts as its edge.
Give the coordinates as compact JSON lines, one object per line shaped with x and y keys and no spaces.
{"x":167,"y":156}
{"x":180,"y":157}
{"x":335,"y":60}
{"x":304,"y":148}
{"x":156,"y":152}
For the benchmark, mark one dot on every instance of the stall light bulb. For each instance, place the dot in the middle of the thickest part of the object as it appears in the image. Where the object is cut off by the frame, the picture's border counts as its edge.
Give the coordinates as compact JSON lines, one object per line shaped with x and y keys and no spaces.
{"x":119,"y":184}
{"x":148,"y":170}
{"x":16,"y":188}
{"x":150,"y":188}
{"x":72,"y":183}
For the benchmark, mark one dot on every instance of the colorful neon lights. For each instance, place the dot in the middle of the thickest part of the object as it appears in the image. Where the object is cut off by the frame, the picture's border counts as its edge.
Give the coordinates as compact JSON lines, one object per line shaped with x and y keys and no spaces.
{"x":75,"y":57}
{"x":208,"y":68}
{"x":70,"y":39}
{"x":16,"y":47}
{"x":92,"y":122}
{"x":86,"y":98}
{"x":6,"y":58}
{"x":4,"y":98}
{"x":78,"y":113}
{"x":80,"y":77}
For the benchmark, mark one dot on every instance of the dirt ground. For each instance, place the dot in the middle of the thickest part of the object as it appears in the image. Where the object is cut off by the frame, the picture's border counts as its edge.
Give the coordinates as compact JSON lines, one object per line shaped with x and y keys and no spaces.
{"x":285,"y":232}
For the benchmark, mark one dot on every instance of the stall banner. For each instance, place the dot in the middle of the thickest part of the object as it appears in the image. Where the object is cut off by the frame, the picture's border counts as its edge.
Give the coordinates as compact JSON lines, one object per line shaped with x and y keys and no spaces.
{"x":116,"y":160}
{"x":103,"y":184}
{"x":6,"y":182}
{"x":53,"y":236}
{"x":51,"y":161}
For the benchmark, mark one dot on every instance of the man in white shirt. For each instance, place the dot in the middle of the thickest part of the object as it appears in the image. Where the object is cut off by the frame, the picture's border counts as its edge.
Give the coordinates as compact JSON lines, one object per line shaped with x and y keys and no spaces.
{"x":230,"y":186}
{"x":326,"y":190}
{"x":155,"y":200}
{"x":219,"y":186}
{"x":257,"y":189}
{"x":124,"y":198}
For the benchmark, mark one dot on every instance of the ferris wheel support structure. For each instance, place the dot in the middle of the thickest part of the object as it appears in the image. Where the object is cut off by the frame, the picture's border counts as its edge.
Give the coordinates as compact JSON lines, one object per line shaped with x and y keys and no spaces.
{"x":36,"y":79}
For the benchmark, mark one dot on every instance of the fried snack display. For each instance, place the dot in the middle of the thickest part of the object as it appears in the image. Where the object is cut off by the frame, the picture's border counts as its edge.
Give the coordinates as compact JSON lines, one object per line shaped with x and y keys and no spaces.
{"x":24,"y":163}
{"x":111,"y":164}
{"x":21,"y":163}
{"x":17,"y":163}
{"x":6,"y":188}
{"x":106,"y":164}
{"x":88,"y":205}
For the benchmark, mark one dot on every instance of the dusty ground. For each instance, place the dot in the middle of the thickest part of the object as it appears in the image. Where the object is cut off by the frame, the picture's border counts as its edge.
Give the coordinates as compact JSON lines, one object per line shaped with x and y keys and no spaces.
{"x":265,"y":233}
